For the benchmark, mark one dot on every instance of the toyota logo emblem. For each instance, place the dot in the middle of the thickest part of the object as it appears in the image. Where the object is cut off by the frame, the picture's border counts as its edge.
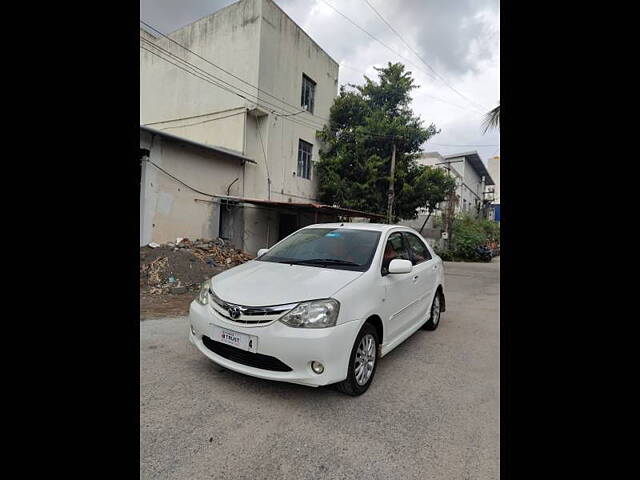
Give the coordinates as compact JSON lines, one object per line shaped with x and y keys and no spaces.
{"x":234,"y":312}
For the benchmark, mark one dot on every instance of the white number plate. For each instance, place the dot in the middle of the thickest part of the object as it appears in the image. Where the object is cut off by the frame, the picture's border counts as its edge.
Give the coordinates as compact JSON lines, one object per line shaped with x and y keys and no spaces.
{"x":235,"y":339}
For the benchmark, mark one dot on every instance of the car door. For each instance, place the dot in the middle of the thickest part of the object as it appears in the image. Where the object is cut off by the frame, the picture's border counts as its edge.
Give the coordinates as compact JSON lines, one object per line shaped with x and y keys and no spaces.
{"x":425,"y":276}
{"x":399,"y":288}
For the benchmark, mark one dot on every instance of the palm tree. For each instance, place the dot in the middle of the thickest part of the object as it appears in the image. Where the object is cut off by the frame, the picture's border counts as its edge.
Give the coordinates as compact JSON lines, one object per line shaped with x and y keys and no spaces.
{"x":492,"y":119}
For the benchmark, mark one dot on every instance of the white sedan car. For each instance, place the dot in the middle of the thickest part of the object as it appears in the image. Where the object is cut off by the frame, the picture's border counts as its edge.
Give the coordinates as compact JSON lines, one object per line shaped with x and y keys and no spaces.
{"x":322,"y":306}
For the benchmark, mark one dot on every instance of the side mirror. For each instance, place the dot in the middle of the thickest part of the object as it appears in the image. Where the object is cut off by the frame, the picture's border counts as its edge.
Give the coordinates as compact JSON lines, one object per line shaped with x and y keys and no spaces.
{"x":262,"y":251}
{"x":398,"y":265}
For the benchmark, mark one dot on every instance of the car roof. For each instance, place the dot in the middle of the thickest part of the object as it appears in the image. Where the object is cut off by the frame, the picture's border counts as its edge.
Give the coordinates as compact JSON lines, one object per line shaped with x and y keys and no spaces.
{"x":378,"y":227}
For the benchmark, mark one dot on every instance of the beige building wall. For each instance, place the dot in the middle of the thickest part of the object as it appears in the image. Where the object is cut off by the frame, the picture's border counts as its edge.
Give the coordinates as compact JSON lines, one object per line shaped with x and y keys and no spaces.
{"x":169,"y":209}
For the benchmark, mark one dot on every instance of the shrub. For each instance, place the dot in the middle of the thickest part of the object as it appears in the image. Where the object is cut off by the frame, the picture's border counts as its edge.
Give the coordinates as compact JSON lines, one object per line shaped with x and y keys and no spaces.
{"x":469,"y":234}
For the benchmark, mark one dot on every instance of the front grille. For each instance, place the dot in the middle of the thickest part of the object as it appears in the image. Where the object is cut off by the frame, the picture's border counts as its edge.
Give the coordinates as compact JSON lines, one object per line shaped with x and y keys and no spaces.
{"x":246,"y":315}
{"x":256,"y":360}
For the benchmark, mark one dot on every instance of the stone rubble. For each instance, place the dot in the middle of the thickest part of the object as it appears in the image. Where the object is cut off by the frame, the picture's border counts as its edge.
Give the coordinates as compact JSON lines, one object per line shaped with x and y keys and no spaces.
{"x":181,"y":266}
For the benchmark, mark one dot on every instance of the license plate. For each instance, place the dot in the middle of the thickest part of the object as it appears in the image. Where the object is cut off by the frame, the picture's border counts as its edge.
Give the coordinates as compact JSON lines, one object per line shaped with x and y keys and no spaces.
{"x":235,"y":339}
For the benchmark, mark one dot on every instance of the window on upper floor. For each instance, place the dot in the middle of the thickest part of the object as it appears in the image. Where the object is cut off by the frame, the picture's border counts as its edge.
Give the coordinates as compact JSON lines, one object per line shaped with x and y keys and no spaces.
{"x":307,"y":97}
{"x":304,"y":159}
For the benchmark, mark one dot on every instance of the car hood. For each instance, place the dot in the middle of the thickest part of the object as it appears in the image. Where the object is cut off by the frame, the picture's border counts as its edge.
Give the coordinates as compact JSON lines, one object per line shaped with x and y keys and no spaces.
{"x":257,"y":283}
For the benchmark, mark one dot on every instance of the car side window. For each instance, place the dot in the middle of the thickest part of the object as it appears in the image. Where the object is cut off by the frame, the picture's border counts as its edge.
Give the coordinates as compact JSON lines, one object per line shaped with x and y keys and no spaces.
{"x":419,"y":252}
{"x":395,"y":248}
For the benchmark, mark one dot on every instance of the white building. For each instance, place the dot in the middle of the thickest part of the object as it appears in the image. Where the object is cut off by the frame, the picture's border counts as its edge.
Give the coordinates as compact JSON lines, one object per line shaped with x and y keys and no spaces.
{"x":248,"y":81}
{"x":472,"y":178}
{"x":493,"y":166}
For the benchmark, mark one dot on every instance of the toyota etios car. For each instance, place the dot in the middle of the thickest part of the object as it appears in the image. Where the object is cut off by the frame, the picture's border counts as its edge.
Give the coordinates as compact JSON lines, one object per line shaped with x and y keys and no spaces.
{"x":321,"y":306}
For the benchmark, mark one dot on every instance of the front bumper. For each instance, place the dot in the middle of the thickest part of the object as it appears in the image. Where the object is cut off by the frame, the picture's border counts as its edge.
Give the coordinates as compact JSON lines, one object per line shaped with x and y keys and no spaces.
{"x":296,"y":347}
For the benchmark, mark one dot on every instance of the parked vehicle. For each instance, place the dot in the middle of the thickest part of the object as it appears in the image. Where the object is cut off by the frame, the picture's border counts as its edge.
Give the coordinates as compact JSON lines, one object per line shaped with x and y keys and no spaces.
{"x":484,"y":253}
{"x":321,"y":306}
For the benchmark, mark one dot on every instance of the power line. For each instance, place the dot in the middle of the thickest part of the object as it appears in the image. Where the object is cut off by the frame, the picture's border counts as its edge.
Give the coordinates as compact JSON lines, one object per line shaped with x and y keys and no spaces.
{"x":269,"y":106}
{"x":195,"y":74}
{"x":208,"y":77}
{"x":188,"y":118}
{"x":180,"y":181}
{"x":391,"y":50}
{"x":374,"y":38}
{"x":200,"y":72}
{"x":302,"y":122}
{"x":298,"y":121}
{"x":229,"y":73}
{"x":286,"y":115}
{"x":361,"y":70}
{"x":203,"y":121}
{"x":444,"y":80}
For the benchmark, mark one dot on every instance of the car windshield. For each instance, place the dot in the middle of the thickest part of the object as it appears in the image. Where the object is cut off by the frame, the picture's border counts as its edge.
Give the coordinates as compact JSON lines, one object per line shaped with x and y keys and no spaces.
{"x":341,"y":248}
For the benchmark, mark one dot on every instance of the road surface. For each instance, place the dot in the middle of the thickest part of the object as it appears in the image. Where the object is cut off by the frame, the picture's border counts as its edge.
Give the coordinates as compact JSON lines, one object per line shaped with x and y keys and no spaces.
{"x":432,"y":411}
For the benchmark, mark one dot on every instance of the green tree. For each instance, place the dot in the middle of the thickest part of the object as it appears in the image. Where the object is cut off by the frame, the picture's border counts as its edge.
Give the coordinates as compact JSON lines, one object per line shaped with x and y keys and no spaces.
{"x":365,"y":121}
{"x":436,"y":186}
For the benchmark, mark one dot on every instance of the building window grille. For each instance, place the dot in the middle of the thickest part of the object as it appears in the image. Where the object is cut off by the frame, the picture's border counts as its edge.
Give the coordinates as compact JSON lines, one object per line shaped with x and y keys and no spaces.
{"x":307,"y":98}
{"x":304,"y":159}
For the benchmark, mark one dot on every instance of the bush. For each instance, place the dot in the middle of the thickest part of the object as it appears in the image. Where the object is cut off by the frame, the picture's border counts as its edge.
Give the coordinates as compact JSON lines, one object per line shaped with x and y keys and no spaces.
{"x":469,"y":234}
{"x":445,"y":255}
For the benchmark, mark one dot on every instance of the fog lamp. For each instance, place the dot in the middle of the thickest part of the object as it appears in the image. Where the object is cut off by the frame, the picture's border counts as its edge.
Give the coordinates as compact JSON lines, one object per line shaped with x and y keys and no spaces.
{"x":317,"y":367}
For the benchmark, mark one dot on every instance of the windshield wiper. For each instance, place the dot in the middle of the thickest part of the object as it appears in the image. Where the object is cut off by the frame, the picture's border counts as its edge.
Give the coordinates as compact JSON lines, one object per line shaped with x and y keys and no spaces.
{"x":325,"y":261}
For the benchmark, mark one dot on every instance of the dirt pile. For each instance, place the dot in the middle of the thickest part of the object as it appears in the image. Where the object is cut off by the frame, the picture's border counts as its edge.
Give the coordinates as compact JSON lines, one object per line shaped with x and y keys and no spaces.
{"x":182,"y":266}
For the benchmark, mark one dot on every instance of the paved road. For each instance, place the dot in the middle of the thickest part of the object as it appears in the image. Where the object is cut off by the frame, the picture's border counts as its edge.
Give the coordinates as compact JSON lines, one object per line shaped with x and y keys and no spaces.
{"x":432,"y":412}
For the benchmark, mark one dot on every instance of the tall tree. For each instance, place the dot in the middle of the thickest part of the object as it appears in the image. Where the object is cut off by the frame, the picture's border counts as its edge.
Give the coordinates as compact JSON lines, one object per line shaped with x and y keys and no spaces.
{"x":365,"y":121}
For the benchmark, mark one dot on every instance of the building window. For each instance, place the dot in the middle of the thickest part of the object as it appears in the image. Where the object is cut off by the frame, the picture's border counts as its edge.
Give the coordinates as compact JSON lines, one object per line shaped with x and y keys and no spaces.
{"x":304,"y":159}
{"x":308,"y":93}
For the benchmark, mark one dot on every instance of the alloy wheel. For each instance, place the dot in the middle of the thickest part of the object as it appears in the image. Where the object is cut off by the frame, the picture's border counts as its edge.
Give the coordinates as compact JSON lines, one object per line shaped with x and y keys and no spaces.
{"x":365,"y":359}
{"x":435,"y":310}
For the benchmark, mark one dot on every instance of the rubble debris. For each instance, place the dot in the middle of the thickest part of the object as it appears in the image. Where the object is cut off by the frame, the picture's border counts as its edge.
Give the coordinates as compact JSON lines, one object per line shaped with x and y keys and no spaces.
{"x":181,"y":266}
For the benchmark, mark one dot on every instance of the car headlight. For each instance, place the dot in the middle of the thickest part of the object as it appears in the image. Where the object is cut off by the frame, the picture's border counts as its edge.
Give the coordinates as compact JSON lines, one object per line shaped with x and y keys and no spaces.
{"x":314,"y":314}
{"x":203,"y":296}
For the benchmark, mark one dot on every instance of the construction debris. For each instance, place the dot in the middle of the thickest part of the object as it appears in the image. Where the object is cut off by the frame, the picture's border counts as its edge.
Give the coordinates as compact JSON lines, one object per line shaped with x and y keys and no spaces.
{"x":182,"y":266}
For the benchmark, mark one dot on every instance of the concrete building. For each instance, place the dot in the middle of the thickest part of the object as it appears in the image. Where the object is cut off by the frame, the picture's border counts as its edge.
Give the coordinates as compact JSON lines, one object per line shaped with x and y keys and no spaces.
{"x":494,"y":169}
{"x":253,"y":87}
{"x":472,"y":179}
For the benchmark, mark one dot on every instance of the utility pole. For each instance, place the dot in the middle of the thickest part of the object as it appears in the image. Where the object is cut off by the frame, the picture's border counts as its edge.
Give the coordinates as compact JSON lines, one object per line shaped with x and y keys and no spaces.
{"x":391,"y":189}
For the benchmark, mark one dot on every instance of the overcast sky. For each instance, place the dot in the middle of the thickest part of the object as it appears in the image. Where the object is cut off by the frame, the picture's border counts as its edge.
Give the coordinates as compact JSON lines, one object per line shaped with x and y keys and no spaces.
{"x":459,"y":39}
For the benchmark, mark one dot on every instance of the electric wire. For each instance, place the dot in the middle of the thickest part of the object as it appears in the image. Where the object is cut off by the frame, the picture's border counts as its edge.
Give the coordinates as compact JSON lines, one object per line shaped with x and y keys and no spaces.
{"x":444,"y":80}
{"x":197,"y":73}
{"x":227,"y":72}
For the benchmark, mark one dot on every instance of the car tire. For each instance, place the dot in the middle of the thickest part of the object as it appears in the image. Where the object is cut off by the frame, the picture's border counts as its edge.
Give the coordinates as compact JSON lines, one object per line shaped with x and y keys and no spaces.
{"x":355,"y":384}
{"x":434,"y":312}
